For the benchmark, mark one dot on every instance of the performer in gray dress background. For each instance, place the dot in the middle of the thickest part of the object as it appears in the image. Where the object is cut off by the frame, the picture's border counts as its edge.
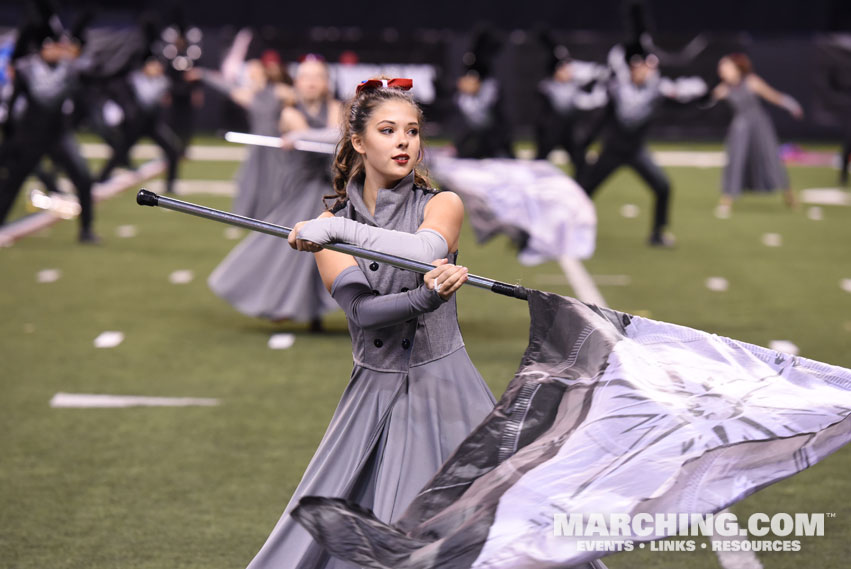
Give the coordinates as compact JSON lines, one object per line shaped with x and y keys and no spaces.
{"x":263,"y":94}
{"x":262,"y":277}
{"x":753,"y":154}
{"x":414,"y":394}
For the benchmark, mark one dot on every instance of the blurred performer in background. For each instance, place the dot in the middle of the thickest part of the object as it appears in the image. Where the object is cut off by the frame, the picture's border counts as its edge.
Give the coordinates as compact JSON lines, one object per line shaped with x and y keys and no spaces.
{"x":635,"y":92}
{"x":753,"y":153}
{"x":263,"y":93}
{"x":180,"y":47}
{"x":259,"y":277}
{"x":47,"y":176}
{"x":479,"y":124}
{"x":572,"y":89}
{"x":147,"y":89}
{"x":46,"y":81}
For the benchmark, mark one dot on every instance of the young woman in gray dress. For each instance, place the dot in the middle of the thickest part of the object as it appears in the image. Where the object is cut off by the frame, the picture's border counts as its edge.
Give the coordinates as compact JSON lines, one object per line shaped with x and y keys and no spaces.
{"x":753,"y":154}
{"x":260,"y":277}
{"x":414,"y":394}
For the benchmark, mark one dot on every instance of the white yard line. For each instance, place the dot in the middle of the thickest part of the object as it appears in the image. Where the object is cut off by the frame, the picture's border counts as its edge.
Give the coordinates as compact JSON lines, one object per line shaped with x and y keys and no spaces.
{"x":826,"y":196}
{"x":191,"y":187}
{"x":92,"y":401}
{"x":151,"y":151}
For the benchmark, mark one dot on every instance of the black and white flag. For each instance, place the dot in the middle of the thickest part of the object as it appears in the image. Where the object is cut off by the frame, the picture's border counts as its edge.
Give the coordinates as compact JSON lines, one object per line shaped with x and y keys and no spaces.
{"x":608,"y":414}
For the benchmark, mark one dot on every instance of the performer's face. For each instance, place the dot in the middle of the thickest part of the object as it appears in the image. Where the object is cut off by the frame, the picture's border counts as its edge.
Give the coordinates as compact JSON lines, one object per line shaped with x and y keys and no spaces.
{"x":469,"y":84}
{"x":727,"y":71}
{"x":641,"y":72}
{"x":563,"y":73}
{"x":311,"y":80}
{"x":390,"y":143}
{"x":51,"y":51}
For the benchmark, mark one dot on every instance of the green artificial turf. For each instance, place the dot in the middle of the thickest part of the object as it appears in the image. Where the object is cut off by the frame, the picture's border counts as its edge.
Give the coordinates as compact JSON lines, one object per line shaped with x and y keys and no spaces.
{"x":203,"y":486}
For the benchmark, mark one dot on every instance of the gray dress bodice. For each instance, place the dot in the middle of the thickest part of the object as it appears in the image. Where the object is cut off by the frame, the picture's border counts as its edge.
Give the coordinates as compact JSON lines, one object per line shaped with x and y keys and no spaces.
{"x":742,"y":100}
{"x":319,"y":120}
{"x":431,"y":335}
{"x":264,"y":112}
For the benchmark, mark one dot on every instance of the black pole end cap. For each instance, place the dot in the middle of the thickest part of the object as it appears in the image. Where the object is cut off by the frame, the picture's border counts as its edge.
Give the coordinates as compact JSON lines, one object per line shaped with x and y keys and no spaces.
{"x":146,"y":197}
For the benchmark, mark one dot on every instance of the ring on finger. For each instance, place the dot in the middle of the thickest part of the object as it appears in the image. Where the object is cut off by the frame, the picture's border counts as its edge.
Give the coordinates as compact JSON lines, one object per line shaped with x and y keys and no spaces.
{"x":437,"y":286}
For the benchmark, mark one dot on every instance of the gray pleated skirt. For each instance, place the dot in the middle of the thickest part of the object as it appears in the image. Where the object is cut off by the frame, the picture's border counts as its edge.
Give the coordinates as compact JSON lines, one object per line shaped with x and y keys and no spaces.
{"x":257,"y":194}
{"x":263,"y":276}
{"x":753,"y":155}
{"x":390,"y":434}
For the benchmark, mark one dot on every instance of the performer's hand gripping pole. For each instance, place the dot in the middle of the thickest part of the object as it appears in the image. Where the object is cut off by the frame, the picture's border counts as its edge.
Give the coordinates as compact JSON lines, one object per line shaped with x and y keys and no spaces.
{"x":145,"y":197}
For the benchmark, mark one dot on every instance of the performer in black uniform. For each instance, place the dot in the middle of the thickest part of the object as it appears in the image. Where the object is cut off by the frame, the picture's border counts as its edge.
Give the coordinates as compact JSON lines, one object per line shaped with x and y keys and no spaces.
{"x":635,"y":92}
{"x":479,"y":124}
{"x":571,"y":90}
{"x":143,"y":116}
{"x":46,"y":80}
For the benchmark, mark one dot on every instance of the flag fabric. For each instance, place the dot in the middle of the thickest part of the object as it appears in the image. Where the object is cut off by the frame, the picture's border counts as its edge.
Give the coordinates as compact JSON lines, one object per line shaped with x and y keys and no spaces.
{"x":539,"y":207}
{"x":607,"y":414}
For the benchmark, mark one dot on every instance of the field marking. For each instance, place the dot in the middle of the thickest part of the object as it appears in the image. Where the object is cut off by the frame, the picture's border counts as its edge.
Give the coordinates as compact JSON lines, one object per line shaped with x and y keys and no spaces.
{"x":815,"y":213}
{"x":182,"y":276}
{"x":213,"y":153}
{"x":233,"y":233}
{"x":784,"y":346}
{"x":717,"y":284}
{"x":281,"y":341}
{"x":30,"y":224}
{"x":826,"y":196}
{"x":630,"y":211}
{"x":772,"y":240}
{"x":686,"y":158}
{"x":109,"y":339}
{"x":126,"y":231}
{"x":95,"y":401}
{"x":581,"y":282}
{"x":48,"y":275}
{"x":190,"y":187}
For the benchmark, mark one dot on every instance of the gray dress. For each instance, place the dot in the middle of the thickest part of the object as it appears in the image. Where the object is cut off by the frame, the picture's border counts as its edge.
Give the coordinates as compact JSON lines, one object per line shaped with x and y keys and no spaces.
{"x":414,"y":395}
{"x":256,"y":196}
{"x":753,"y":154}
{"x":263,"y":276}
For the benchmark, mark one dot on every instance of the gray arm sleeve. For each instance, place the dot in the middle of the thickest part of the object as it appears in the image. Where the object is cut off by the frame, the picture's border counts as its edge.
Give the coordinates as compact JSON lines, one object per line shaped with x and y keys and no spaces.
{"x":352,"y":292}
{"x":425,"y":245}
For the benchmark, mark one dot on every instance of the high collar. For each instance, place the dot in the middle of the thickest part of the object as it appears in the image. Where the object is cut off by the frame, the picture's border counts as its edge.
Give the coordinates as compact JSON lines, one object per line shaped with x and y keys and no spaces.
{"x":388,"y":202}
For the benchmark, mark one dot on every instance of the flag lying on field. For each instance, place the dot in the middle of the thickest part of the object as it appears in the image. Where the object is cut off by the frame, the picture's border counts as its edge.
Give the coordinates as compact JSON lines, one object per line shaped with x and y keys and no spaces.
{"x":541,"y":209}
{"x":607,"y":414}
